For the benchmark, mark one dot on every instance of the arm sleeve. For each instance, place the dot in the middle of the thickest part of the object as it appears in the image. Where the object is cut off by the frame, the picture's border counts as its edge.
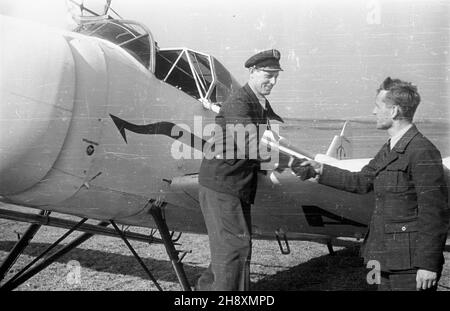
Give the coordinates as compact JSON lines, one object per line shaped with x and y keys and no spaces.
{"x":356,"y":182}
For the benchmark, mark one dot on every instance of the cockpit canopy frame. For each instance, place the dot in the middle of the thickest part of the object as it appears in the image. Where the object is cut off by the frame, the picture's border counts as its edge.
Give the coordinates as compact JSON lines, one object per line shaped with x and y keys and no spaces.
{"x":130,"y":35}
{"x":197,"y":74}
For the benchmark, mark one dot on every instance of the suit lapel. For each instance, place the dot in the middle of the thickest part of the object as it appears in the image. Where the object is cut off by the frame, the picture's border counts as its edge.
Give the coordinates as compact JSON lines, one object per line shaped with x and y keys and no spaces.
{"x":399,"y":147}
{"x":255,"y":106}
{"x":271,"y":114}
{"x":387,"y":158}
{"x":262,"y":114}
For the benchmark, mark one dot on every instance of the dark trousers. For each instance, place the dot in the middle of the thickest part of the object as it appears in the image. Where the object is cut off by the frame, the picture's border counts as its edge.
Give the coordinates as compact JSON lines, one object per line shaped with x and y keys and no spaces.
{"x":229,"y":230}
{"x":401,"y":281}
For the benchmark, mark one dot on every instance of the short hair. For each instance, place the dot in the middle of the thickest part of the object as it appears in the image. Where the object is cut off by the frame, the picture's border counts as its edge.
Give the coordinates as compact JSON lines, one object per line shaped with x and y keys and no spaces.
{"x":402,"y":94}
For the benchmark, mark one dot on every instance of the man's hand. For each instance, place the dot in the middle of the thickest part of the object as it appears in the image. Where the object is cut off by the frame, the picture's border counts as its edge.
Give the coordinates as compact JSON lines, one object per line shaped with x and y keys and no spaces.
{"x":283,"y":162}
{"x":317,"y":166}
{"x":301,"y":168}
{"x":425,"y":279}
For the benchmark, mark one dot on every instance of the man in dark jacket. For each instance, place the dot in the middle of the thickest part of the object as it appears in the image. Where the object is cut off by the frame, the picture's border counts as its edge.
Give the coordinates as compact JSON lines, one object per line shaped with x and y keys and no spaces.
{"x":228,"y":175}
{"x":409,"y":225}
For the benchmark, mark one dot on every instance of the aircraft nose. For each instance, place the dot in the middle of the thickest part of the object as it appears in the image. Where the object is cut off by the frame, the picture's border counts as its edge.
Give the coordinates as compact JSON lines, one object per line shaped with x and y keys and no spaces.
{"x":37,"y":80}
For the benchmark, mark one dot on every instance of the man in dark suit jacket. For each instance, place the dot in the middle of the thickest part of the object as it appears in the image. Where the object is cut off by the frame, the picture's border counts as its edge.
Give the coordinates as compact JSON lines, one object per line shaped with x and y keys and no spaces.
{"x":228,"y":175}
{"x":409,"y":225}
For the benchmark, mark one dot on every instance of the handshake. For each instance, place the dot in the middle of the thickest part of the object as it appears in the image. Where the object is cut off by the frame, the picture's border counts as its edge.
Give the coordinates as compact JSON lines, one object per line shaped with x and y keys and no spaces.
{"x":303,"y":168}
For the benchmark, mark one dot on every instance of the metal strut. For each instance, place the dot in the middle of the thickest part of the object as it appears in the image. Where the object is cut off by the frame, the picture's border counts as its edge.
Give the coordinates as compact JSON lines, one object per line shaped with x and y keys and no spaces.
{"x":27,"y":272}
{"x":330,"y":248}
{"x":136,"y":255}
{"x":67,"y":224}
{"x":20,"y":246}
{"x":280,"y":234}
{"x":156,"y":210}
{"x":43,"y":219}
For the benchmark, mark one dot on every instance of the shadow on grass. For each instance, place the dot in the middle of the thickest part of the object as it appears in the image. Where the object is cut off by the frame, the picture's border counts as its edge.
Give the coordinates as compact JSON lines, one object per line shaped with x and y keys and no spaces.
{"x":343,"y":271}
{"x":108,"y":262}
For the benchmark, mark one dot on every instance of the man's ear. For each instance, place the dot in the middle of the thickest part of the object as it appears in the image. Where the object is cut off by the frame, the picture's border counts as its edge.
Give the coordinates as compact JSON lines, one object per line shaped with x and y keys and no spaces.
{"x":396,"y":113}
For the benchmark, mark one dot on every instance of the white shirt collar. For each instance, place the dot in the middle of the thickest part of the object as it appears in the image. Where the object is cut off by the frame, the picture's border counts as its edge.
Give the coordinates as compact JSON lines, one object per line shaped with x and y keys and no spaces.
{"x":396,"y":137}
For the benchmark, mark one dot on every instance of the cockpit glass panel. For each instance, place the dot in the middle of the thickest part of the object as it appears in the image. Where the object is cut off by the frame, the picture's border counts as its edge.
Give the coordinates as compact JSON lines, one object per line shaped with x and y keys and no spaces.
{"x":112,"y":32}
{"x":203,"y":70}
{"x":140,"y":49}
{"x":173,"y":67}
{"x":193,"y":73}
{"x":225,"y":83}
{"x":165,"y":61}
{"x":135,"y":40}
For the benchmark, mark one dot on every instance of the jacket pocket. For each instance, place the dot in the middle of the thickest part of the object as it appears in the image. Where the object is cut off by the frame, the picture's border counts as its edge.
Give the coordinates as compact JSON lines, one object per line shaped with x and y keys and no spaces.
{"x":397,"y":178}
{"x":400,"y":241}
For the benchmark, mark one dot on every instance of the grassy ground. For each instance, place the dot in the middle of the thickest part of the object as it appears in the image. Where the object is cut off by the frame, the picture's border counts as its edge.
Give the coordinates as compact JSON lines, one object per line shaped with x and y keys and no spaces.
{"x":105,"y":264}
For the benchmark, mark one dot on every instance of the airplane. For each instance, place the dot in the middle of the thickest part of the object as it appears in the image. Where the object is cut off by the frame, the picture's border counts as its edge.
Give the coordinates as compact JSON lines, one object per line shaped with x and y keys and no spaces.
{"x":102,"y":123}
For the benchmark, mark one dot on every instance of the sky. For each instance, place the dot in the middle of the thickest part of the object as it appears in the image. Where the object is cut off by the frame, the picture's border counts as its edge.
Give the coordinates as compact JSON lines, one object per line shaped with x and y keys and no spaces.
{"x":334,"y":53}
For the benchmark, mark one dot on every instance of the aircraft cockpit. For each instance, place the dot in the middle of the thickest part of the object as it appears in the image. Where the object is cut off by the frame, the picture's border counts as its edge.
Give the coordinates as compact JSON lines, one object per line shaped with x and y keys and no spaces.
{"x":134,"y":37}
{"x":197,"y":74}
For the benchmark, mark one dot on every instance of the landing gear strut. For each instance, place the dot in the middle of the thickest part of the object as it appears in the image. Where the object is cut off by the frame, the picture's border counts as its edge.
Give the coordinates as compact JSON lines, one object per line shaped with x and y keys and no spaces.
{"x":156,"y":210}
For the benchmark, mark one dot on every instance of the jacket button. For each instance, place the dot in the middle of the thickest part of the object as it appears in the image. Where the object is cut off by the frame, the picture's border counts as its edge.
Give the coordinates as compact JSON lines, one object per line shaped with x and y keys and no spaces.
{"x":403,"y":228}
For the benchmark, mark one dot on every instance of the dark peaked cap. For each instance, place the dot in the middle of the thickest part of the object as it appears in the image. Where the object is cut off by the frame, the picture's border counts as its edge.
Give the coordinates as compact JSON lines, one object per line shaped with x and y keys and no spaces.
{"x":266,"y":60}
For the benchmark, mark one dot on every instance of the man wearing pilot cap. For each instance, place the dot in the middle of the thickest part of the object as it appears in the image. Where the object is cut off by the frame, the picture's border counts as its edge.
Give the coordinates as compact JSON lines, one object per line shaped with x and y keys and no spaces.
{"x":266,"y":60}
{"x":228,"y":183}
